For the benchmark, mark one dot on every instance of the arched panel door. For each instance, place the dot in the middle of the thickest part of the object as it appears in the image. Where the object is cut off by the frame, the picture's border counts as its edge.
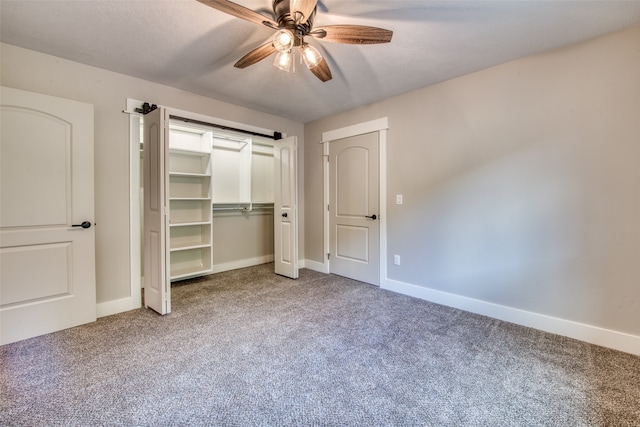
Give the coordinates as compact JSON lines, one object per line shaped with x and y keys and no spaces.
{"x":47,"y":232}
{"x":354,"y":208}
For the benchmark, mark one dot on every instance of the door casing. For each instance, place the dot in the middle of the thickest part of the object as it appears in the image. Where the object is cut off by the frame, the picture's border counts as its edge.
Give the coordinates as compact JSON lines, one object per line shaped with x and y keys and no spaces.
{"x":380,"y":126}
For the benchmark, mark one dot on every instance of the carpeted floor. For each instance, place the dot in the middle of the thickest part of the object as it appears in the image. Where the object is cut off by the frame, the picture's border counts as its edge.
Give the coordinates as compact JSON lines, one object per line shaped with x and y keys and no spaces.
{"x":249,"y":348}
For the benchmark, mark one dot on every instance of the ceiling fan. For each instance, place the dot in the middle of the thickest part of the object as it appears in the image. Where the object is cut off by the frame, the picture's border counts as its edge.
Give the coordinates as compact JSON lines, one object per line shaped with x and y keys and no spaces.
{"x":293,"y":21}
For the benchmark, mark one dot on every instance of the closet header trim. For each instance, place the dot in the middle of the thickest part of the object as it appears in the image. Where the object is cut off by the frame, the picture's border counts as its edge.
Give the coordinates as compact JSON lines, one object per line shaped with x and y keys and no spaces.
{"x":275,"y":136}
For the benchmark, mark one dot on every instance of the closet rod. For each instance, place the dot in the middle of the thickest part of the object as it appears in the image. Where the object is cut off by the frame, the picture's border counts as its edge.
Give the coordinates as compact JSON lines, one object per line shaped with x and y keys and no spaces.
{"x":241,"y":208}
{"x":231,"y":209}
{"x":276,"y":135}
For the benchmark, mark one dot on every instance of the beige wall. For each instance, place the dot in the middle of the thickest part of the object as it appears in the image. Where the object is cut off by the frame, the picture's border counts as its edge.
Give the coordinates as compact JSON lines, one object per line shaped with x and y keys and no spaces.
{"x":107,"y":91}
{"x":521,"y":183}
{"x":239,"y":236}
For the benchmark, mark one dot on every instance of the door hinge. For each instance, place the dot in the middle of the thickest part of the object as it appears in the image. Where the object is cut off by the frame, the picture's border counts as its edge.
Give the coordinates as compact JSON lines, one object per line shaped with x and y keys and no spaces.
{"x":328,"y":207}
{"x":328,"y":256}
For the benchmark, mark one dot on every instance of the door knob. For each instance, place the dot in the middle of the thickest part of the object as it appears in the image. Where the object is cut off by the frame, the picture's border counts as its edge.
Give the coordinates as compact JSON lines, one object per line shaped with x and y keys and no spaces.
{"x":85,"y":224}
{"x":284,"y":215}
{"x":371,"y":217}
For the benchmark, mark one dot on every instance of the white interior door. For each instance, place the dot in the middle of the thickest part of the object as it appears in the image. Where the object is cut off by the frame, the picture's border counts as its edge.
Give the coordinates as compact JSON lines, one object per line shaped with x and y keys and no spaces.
{"x":157,"y":283}
{"x":354,"y":208}
{"x":286,"y":207}
{"x":47,"y":238}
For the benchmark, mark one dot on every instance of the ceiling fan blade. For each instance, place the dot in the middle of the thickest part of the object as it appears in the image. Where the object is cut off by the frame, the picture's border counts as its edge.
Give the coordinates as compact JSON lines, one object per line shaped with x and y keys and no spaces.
{"x":301,"y":10}
{"x":322,"y":71}
{"x":352,"y":34}
{"x":241,"y":12}
{"x":256,"y":55}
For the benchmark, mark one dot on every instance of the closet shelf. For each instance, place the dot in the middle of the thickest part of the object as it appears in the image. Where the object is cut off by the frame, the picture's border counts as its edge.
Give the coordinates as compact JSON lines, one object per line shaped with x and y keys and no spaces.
{"x":184,"y":273}
{"x":189,"y":152}
{"x":188,"y":246}
{"x":185,"y":224}
{"x":190,"y":174}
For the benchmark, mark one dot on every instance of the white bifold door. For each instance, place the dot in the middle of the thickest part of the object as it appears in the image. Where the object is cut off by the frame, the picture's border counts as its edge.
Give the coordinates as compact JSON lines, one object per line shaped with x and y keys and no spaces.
{"x":157,"y":281}
{"x":285,"y":212}
{"x":47,"y":238}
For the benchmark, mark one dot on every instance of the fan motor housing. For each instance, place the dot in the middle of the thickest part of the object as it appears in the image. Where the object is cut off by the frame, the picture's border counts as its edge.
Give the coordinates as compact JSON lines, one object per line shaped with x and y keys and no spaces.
{"x":282,"y":11}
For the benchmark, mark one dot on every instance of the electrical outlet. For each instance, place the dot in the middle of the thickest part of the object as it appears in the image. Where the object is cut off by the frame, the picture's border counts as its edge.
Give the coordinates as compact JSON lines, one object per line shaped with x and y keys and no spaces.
{"x":396,"y":259}
{"x":398,"y":199}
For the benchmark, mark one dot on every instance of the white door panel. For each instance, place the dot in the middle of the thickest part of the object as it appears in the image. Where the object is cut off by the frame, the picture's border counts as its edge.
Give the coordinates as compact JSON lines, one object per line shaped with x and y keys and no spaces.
{"x":352,"y":169}
{"x":285,"y":207}
{"x":39,"y":168}
{"x":54,"y":261}
{"x":157,"y":284}
{"x":354,"y":207}
{"x":47,"y":264}
{"x":352,"y":243}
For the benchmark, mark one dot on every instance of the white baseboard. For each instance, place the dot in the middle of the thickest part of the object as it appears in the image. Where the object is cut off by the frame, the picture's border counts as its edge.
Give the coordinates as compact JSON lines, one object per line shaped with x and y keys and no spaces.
{"x":117,"y":306}
{"x":248,"y":262}
{"x":316,"y":266}
{"x":592,"y":334}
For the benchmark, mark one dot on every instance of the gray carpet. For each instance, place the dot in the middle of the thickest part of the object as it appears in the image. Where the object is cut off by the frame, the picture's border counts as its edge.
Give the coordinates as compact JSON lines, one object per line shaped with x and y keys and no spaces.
{"x":249,"y":348}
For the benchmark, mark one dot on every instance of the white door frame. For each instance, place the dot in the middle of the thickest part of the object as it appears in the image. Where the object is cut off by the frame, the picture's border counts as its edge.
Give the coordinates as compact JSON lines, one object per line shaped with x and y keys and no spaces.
{"x":381,"y":126}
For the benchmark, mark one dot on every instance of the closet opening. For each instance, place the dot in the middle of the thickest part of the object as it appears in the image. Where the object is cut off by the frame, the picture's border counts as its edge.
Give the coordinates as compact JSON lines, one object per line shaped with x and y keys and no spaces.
{"x":220,"y":195}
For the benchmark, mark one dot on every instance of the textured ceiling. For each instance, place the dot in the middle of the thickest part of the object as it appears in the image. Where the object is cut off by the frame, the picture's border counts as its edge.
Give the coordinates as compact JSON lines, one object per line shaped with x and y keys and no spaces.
{"x":187,"y":45}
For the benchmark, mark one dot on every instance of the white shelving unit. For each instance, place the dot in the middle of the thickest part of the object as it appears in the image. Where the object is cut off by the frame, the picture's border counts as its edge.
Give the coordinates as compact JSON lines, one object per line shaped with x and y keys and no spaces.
{"x":190,"y":190}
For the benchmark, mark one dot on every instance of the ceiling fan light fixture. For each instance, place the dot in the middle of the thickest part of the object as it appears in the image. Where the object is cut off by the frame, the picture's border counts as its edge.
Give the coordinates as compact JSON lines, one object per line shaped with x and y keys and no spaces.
{"x":311,"y":56}
{"x":284,"y":61}
{"x":293,"y":21}
{"x":283,"y":40}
